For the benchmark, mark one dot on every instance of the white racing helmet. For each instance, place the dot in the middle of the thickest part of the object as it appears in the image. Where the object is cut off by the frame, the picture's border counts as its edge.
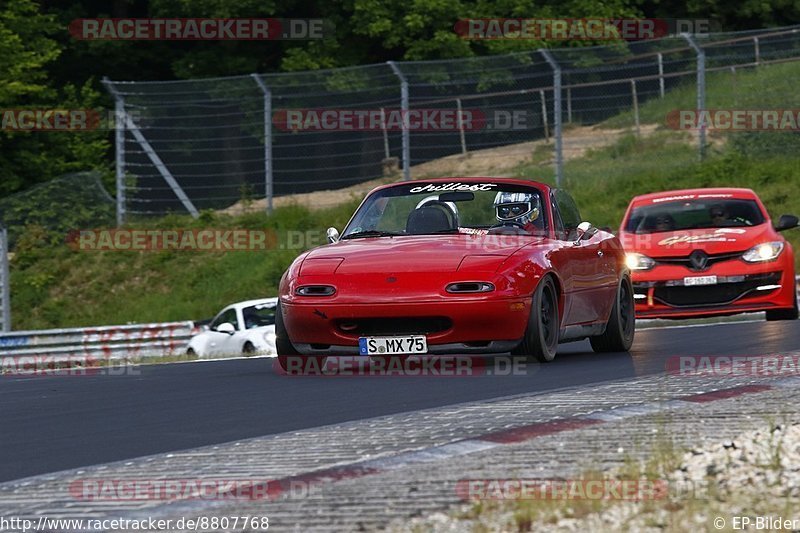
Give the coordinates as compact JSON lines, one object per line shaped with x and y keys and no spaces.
{"x":519,"y":207}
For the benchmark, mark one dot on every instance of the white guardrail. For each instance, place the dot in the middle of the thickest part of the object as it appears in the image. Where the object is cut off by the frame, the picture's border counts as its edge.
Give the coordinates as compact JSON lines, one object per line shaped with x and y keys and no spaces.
{"x":107,"y":342}
{"x":103,"y":342}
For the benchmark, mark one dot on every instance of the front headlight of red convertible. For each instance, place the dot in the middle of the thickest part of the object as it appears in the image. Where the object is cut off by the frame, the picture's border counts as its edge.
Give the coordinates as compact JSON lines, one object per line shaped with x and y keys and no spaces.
{"x":464,"y":287}
{"x":315,"y":290}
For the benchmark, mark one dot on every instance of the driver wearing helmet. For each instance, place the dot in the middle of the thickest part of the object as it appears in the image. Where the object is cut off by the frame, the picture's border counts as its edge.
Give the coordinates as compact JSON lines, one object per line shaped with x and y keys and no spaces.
{"x":517,"y":210}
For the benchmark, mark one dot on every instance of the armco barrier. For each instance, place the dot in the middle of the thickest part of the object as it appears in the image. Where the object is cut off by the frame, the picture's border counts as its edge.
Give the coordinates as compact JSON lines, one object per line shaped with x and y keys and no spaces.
{"x":108,"y":342}
{"x":104,"y":342}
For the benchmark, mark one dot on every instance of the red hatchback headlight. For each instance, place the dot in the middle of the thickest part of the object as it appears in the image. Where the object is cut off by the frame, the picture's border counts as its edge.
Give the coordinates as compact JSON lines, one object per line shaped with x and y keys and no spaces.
{"x":637,"y":261}
{"x":766,"y":251}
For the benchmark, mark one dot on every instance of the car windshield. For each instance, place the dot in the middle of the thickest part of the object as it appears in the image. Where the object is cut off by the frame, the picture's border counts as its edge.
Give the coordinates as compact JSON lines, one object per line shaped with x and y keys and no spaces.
{"x":259,"y":315}
{"x":449,"y":207}
{"x":694,"y":214}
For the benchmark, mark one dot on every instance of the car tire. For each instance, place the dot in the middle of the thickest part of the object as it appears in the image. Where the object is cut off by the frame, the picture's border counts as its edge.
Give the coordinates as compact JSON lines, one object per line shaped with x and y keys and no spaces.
{"x":287,"y":352}
{"x":248,"y":349}
{"x":540,"y":342}
{"x":191,"y":353}
{"x":783,"y":314}
{"x":621,"y":326}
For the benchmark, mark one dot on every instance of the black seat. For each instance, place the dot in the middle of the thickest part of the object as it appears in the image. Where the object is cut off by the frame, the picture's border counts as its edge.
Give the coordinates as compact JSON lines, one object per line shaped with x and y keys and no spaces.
{"x":428,"y":219}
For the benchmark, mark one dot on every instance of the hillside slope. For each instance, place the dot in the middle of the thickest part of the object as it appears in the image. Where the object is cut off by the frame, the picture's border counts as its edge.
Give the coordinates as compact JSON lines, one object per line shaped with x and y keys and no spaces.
{"x":54,"y":286}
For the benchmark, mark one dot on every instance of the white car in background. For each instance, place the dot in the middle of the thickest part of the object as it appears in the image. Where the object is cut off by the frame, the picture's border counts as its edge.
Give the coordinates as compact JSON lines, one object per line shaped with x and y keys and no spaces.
{"x":244,"y":328}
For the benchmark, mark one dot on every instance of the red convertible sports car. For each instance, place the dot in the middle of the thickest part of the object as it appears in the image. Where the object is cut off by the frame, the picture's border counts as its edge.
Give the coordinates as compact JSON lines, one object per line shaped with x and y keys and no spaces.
{"x":703,"y":252}
{"x":457,"y":266}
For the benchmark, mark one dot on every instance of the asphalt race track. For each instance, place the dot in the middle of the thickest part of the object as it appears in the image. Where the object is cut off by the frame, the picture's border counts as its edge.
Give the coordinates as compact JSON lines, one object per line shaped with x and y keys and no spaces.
{"x":54,"y":423}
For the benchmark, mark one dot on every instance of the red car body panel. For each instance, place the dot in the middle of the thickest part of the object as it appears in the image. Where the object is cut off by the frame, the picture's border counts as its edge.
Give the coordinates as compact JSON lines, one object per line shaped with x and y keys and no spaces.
{"x":396,"y":285}
{"x":659,"y":291}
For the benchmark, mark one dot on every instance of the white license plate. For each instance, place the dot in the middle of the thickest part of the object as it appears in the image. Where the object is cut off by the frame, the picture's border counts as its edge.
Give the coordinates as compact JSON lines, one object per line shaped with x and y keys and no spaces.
{"x":392,"y":345}
{"x":700,"y":280}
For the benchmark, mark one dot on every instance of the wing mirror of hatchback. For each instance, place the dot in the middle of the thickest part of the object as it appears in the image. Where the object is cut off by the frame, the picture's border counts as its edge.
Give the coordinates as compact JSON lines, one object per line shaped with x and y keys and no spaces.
{"x":333,"y":235}
{"x":585,"y":230}
{"x":226,"y":327}
{"x":787,"y":222}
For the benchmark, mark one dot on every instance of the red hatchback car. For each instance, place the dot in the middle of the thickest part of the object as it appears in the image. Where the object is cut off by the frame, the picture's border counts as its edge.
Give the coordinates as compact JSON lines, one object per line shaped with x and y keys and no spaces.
{"x":703,"y":252}
{"x":457,"y":266}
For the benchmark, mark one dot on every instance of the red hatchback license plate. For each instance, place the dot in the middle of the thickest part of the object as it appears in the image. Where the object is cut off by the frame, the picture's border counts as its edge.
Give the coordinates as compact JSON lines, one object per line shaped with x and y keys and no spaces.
{"x":700,"y":280}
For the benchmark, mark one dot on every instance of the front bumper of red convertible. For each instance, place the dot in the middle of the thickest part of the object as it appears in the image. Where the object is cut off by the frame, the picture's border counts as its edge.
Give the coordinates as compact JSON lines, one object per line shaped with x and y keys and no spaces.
{"x":451,"y":327}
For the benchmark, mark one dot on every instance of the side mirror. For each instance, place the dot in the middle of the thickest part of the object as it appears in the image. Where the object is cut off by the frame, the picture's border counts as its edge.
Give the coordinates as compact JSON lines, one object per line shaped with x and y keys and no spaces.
{"x":585,"y":230}
{"x":787,"y":222}
{"x":226,"y":327}
{"x":333,"y":235}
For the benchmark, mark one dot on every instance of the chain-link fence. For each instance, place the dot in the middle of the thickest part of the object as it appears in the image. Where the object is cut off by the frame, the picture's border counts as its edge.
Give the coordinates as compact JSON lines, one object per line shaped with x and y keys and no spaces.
{"x":662,"y":78}
{"x":190,"y":145}
{"x":50,"y":210}
{"x":71,"y":202}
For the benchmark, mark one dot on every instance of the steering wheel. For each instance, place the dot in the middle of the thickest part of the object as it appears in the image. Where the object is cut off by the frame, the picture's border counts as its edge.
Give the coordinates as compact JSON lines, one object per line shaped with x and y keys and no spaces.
{"x":507,"y":223}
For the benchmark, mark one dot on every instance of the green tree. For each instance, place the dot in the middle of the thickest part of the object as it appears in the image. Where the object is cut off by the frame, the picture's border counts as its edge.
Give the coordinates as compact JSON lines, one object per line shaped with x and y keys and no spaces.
{"x":26,"y":49}
{"x":728,"y":16}
{"x":42,"y":65}
{"x":424,"y":29}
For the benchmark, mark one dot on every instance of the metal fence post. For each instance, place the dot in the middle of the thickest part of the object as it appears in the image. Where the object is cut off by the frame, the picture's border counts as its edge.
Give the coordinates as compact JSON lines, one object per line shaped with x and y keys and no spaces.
{"x":151,"y":154}
{"x":119,"y":136}
{"x":386,"y":152}
{"x":569,"y":105}
{"x":404,"y":111}
{"x":556,"y":114}
{"x":5,"y":284}
{"x":756,"y":50}
{"x":545,"y":122}
{"x":701,"y":91}
{"x":661,"y":74}
{"x":461,"y":127}
{"x":635,"y":99}
{"x":268,"y":182}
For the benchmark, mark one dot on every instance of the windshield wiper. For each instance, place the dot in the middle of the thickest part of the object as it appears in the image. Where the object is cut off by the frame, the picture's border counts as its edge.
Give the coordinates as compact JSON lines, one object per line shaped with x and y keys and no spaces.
{"x":442,"y":231}
{"x":371,"y":233}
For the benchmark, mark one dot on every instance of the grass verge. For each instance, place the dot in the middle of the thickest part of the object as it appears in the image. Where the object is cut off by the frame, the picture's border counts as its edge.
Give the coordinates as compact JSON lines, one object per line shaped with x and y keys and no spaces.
{"x":56,"y":286}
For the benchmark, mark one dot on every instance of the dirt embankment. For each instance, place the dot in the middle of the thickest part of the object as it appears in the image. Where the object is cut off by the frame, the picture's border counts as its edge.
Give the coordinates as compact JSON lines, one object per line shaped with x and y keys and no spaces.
{"x":491,"y":162}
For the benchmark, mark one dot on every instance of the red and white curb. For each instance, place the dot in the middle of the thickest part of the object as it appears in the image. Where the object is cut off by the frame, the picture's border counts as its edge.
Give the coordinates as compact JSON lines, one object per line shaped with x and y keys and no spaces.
{"x":518,"y":435}
{"x":493,"y":440}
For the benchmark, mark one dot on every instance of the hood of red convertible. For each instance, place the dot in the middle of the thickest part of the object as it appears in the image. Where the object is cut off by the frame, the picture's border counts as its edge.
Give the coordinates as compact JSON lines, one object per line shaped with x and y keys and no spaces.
{"x":408,"y":268}
{"x":417,"y":253}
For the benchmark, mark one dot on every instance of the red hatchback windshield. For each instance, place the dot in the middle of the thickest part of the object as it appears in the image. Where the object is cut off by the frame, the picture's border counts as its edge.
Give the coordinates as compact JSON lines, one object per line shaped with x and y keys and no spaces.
{"x":693,"y":214}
